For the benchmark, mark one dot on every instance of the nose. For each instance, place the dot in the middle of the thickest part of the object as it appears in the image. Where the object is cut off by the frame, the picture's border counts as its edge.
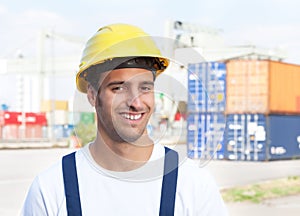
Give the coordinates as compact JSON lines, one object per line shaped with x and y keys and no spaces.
{"x":134,"y":99}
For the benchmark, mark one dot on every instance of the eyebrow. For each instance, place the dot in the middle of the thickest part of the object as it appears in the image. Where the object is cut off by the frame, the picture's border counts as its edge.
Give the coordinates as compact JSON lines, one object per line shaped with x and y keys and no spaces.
{"x":115,"y":83}
{"x":122,"y":82}
{"x":148,"y":83}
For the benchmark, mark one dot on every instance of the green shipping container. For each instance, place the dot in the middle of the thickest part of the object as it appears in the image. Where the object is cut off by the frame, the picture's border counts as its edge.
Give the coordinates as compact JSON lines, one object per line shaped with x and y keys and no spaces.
{"x":87,"y":117}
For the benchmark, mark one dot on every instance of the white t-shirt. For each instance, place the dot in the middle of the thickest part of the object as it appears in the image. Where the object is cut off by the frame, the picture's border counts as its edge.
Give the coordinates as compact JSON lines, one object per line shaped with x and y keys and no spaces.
{"x":136,"y":192}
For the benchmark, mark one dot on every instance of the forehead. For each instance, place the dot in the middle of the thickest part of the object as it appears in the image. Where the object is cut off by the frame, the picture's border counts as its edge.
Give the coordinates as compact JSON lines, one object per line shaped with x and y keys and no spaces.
{"x":127,"y":75}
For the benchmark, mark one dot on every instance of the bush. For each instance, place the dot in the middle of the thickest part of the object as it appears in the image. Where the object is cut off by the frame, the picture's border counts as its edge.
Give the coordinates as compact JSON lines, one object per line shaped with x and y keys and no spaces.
{"x":85,"y":132}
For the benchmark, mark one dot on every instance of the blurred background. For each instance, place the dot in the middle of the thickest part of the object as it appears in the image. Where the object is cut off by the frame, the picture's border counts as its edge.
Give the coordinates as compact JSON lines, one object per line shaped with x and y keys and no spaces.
{"x":231,"y":93}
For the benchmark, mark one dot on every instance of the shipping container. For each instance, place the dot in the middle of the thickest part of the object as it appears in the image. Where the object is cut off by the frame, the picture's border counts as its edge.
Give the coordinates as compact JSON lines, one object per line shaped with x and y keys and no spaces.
{"x":36,"y":119}
{"x":58,"y":117}
{"x":45,"y":132}
{"x":62,"y":131}
{"x":68,"y":130}
{"x":25,"y":118}
{"x":58,"y":131}
{"x":12,"y":118}
{"x":258,"y":137}
{"x":34,"y":131}
{"x":245,"y":137}
{"x":266,"y":87}
{"x":73,"y":118}
{"x":50,"y":105}
{"x":206,"y":87}
{"x":284,"y":137}
{"x":10,"y":132}
{"x":1,"y":118}
{"x":205,"y":135}
{"x":87,"y":117}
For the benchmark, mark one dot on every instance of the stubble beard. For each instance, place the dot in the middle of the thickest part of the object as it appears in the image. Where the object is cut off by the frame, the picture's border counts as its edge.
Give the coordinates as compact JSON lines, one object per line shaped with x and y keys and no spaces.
{"x":116,"y":132}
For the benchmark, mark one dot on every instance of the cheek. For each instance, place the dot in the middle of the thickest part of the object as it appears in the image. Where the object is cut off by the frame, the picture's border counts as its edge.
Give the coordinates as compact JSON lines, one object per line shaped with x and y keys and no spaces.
{"x":116,"y":99}
{"x":98,"y":107}
{"x":99,"y":102}
{"x":150,"y":101}
{"x":106,"y":104}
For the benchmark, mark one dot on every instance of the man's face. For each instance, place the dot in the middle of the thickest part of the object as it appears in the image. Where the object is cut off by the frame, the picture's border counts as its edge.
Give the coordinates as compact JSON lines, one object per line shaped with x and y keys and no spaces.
{"x":125,"y":102}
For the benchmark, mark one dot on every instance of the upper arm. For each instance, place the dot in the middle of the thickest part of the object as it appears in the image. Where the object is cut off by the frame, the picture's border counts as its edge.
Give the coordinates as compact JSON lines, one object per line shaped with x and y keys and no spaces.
{"x":34,"y":204}
{"x":46,"y":196}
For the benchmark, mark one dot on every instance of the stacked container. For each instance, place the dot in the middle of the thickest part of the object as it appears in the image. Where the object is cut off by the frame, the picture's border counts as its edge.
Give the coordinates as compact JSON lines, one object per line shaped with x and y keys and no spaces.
{"x":1,"y":122}
{"x":57,"y":116}
{"x":34,"y":125}
{"x":66,"y":122}
{"x":18,"y":125}
{"x":262,"y":110}
{"x":205,"y":109}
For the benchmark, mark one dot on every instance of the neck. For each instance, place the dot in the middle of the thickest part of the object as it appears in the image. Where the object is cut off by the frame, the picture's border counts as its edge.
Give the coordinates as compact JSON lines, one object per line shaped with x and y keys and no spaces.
{"x":121,"y":156}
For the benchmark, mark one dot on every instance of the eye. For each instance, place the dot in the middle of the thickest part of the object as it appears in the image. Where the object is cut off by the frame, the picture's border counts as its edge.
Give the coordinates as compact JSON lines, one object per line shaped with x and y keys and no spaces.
{"x":118,"y":88}
{"x":146,"y":88}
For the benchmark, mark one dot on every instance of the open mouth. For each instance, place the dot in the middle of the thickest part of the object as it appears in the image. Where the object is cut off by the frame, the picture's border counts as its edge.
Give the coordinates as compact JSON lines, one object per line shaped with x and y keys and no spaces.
{"x":132,"y":117}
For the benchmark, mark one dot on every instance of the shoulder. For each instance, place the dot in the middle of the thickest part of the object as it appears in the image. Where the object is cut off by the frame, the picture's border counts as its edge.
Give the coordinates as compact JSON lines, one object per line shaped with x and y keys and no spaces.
{"x":197,"y":189}
{"x":49,"y":183}
{"x":46,"y":193}
{"x":191,"y":172}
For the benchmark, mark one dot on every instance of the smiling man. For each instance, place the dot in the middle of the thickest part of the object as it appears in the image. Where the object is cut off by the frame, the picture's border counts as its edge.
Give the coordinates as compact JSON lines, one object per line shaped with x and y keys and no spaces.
{"x":123,"y":172}
{"x":124,"y":102}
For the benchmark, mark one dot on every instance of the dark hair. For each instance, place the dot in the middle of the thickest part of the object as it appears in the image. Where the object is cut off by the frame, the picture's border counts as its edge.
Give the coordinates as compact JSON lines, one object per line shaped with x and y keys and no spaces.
{"x":92,"y":74}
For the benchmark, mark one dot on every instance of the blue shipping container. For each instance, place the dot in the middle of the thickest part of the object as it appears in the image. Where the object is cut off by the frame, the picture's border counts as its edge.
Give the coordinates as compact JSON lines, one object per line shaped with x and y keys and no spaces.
{"x":68,"y":130}
{"x":205,"y":135}
{"x":62,"y":131}
{"x":284,"y":137}
{"x":206,"y":87}
{"x":245,"y":137}
{"x":58,"y":131}
{"x":256,"y":137}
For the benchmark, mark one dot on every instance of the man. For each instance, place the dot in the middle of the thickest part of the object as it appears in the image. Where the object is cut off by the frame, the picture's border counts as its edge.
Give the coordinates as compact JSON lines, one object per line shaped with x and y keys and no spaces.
{"x":123,"y":172}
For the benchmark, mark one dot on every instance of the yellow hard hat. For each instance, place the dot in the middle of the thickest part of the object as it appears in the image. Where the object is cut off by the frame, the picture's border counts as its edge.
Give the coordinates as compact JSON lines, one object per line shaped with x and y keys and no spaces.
{"x":114,"y":41}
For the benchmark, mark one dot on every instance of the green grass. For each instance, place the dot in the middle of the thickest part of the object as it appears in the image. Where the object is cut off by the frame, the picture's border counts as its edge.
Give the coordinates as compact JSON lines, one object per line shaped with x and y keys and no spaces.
{"x":256,"y":193}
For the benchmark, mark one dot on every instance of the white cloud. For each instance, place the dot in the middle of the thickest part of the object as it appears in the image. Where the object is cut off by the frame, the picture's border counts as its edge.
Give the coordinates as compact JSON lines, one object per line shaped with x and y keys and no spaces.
{"x":20,"y":30}
{"x":3,"y":9}
{"x":35,"y":20}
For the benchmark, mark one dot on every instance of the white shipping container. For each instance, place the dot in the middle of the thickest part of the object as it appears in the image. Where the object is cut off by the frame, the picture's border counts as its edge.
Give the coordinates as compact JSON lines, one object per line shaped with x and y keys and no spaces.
{"x":57,"y":117}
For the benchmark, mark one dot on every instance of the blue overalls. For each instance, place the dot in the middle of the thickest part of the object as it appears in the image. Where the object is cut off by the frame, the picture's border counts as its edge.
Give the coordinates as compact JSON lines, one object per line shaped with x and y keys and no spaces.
{"x":169,"y":183}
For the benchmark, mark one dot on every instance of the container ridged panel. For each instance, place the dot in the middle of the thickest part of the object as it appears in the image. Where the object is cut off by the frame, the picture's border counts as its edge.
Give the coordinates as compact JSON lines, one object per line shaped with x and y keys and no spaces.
{"x":258,"y":137}
{"x":206,"y":87}
{"x":283,"y":136}
{"x":205,"y":136}
{"x":245,"y":137}
{"x":266,"y":87}
{"x":247,"y":86}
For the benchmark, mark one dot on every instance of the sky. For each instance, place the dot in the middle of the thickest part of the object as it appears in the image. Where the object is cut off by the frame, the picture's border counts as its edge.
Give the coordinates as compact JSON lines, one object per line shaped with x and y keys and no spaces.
{"x":263,"y":23}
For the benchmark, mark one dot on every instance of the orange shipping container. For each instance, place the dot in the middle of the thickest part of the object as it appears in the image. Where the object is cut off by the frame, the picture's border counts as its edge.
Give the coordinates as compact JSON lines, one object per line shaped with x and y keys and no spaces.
{"x":266,"y":87}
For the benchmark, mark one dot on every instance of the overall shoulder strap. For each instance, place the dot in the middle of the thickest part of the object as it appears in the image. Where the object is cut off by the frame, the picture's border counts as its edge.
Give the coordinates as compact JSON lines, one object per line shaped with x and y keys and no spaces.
{"x":71,"y":185}
{"x":169,"y":184}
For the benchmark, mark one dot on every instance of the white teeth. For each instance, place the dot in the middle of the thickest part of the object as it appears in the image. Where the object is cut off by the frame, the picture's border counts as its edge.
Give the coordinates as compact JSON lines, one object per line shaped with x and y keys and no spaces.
{"x":132,"y":117}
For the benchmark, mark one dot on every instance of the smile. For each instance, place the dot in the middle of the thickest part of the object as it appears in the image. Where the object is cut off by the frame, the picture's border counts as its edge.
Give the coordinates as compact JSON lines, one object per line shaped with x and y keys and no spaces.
{"x":131,"y":116}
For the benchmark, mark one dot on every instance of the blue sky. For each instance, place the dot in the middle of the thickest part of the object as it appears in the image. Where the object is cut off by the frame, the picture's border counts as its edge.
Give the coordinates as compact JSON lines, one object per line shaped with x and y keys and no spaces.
{"x":265,"y":23}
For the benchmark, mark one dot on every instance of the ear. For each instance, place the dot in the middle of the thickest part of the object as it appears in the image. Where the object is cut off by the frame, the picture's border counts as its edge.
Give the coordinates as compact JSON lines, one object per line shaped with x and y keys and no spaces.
{"x":91,"y":95}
